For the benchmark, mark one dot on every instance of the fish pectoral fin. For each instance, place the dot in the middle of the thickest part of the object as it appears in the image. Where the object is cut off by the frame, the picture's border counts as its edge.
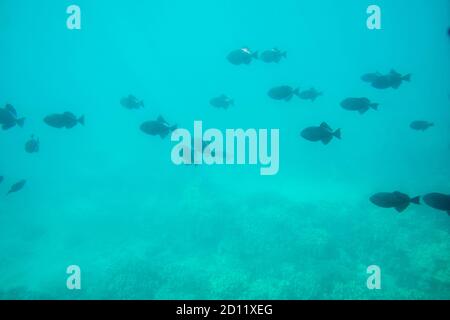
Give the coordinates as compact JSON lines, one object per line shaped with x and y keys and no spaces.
{"x":402,"y":207}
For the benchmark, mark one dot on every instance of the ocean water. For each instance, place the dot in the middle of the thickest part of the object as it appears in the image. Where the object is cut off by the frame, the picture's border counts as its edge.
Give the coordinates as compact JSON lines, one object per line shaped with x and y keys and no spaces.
{"x":108,"y":198}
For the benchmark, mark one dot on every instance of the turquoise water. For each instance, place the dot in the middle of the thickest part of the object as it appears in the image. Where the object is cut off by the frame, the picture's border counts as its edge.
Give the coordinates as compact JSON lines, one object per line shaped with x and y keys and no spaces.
{"x":107,"y":197}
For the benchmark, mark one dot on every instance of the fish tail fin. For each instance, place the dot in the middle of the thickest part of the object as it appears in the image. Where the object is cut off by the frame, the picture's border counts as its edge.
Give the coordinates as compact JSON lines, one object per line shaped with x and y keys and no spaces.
{"x":81,"y":120}
{"x":374,"y":106}
{"x":337,"y":134}
{"x":141,"y":104}
{"x":20,"y":122}
{"x":255,"y":55}
{"x":407,"y":78}
{"x":416,"y":200}
{"x":296,"y":92}
{"x":173,"y":128}
{"x":232,"y":102}
{"x":284,"y":54}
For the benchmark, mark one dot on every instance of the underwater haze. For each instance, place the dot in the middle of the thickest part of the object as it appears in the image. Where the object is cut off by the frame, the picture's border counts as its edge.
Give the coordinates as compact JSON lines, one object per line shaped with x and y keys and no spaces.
{"x":108,"y":198}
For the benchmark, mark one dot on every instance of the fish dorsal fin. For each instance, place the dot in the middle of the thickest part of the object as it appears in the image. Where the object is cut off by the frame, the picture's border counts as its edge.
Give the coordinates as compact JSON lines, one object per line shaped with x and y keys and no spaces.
{"x":161,"y":120}
{"x":325,"y":126}
{"x":11,"y":109}
{"x":402,"y":207}
{"x":393,"y":72}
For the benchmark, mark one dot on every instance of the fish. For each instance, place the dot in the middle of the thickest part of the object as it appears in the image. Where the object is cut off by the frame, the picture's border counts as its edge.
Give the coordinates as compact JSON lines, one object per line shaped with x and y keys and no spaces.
{"x":397,"y":200}
{"x":358,"y":104}
{"x":8,"y":118}
{"x":242,"y":56}
{"x":272,"y":56}
{"x":32,"y":145}
{"x":17,"y":187}
{"x":63,"y":120}
{"x":391,"y":80}
{"x":311,"y":94}
{"x":196,"y":147}
{"x":397,"y":79}
{"x":370,"y":77}
{"x":382,"y":82}
{"x":131,"y":102}
{"x":1,"y":179}
{"x":160,"y":127}
{"x":322,"y":133}
{"x":222,"y":101}
{"x":283,"y":93}
{"x":438,"y":201}
{"x":421,"y":125}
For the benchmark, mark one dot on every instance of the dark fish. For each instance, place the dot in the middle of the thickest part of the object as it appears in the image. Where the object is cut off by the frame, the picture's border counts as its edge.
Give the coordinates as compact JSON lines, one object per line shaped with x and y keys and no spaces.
{"x":63,"y":120}
{"x":32,"y":145}
{"x":8,"y":118}
{"x":370,"y":77}
{"x":438,"y":201}
{"x":397,"y":79}
{"x":222,"y":102}
{"x":131,"y":102}
{"x":193,"y":150}
{"x":17,"y":186}
{"x":382,"y":82}
{"x":391,"y":80}
{"x":322,"y":133}
{"x":358,"y":104}
{"x":397,"y":200}
{"x":310,"y":94}
{"x":283,"y":93}
{"x":242,"y":56}
{"x":421,"y":125}
{"x":160,"y":127}
{"x":273,"y":56}
{"x":1,"y":179}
